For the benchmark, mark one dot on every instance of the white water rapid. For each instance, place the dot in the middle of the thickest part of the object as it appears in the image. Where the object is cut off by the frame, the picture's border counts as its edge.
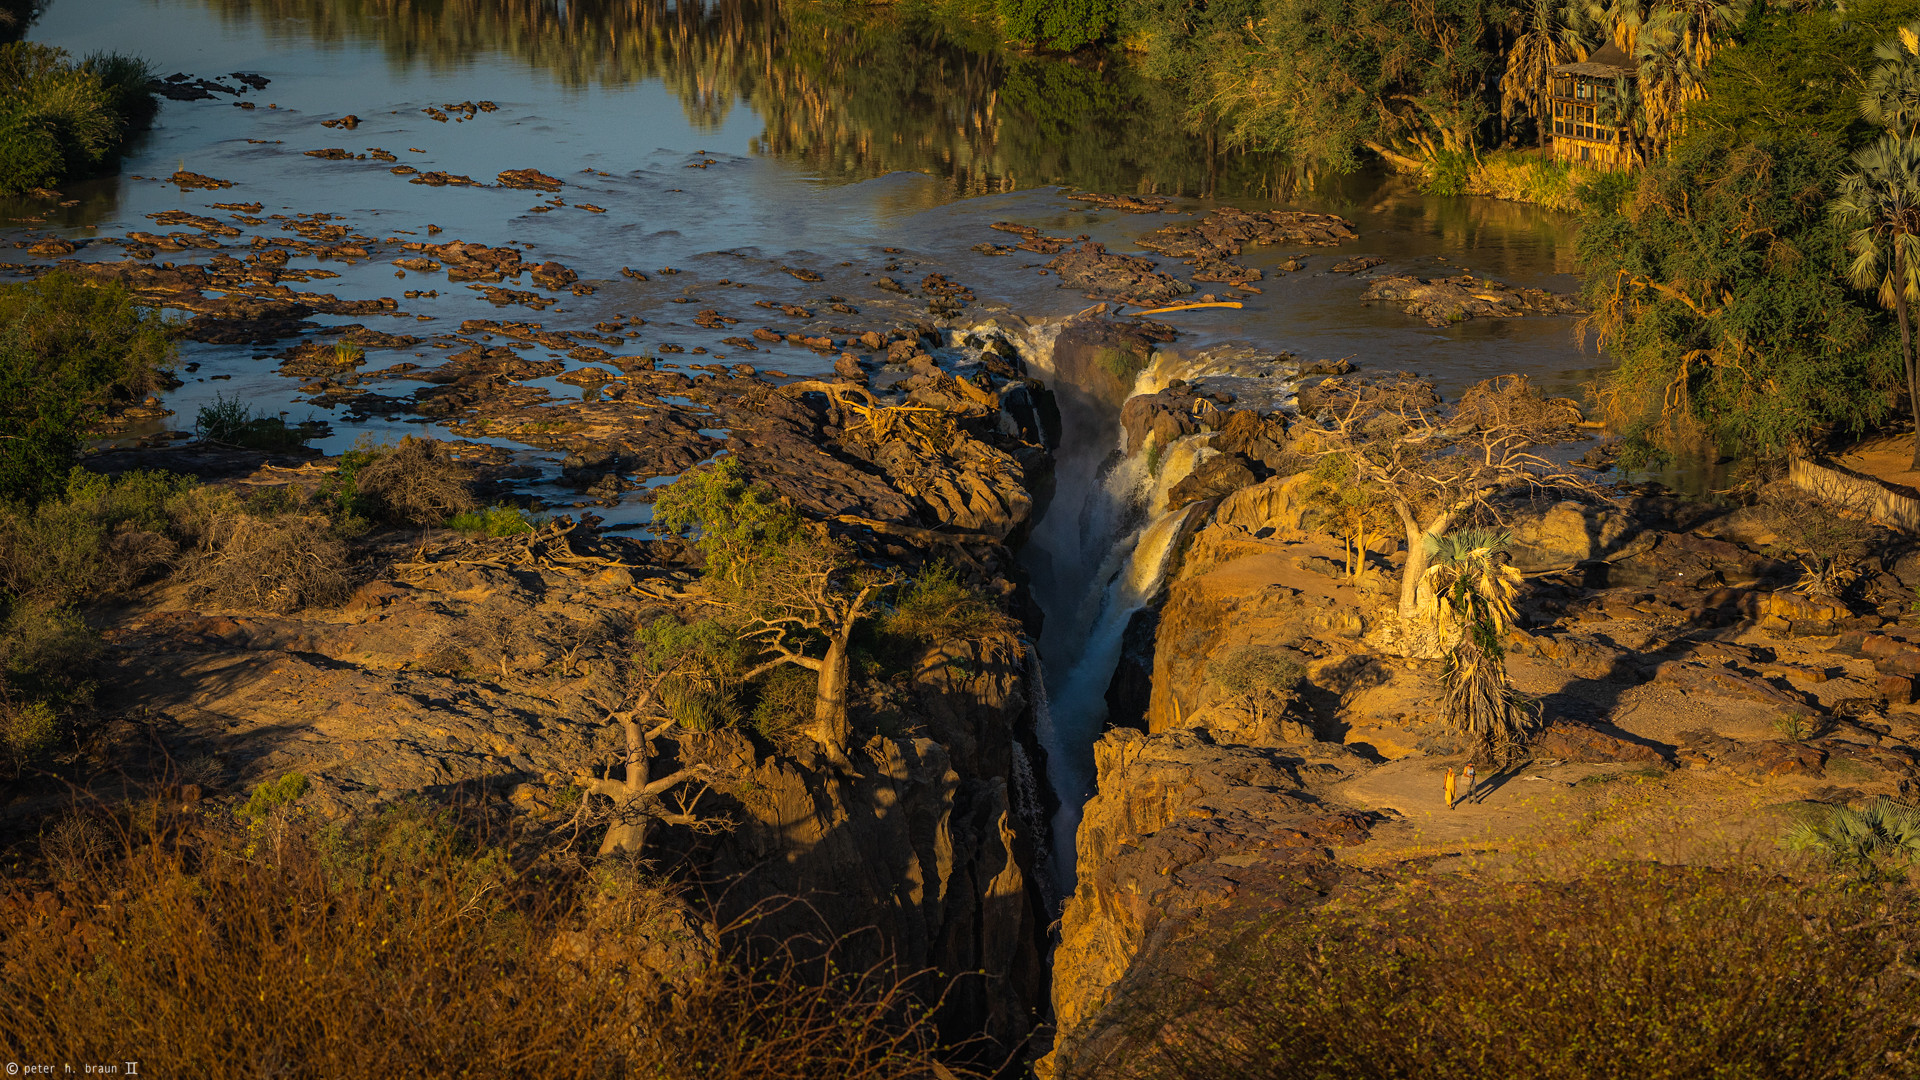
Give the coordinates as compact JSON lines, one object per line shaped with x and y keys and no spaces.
{"x":1095,"y":559}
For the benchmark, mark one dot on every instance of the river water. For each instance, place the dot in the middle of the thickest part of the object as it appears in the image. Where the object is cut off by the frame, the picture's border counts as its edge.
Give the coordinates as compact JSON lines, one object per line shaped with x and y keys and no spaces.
{"x":735,"y":142}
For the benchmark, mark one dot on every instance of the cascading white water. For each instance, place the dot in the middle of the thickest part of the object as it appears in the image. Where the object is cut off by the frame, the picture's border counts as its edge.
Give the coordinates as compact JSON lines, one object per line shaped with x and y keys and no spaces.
{"x":1080,"y":711}
{"x":1098,"y":558}
{"x":1095,"y":558}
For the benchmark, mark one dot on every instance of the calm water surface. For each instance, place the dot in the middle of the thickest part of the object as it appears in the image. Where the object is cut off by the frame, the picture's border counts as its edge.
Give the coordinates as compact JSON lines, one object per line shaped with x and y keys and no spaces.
{"x":822,"y":144}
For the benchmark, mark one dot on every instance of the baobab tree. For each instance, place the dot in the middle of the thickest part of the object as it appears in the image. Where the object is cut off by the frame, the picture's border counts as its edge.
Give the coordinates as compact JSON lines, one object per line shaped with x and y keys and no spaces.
{"x":1436,"y":467}
{"x":790,"y":587}
{"x":814,"y":590}
{"x":639,"y":799}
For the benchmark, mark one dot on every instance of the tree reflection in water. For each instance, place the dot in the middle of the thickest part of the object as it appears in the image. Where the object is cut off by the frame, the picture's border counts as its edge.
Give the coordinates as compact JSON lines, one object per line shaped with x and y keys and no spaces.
{"x":849,"y":94}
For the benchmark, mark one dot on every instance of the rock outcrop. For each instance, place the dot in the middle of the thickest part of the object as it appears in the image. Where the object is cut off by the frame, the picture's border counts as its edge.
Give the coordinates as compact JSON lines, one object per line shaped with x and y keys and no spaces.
{"x":1444,"y":301}
{"x":1181,"y":827}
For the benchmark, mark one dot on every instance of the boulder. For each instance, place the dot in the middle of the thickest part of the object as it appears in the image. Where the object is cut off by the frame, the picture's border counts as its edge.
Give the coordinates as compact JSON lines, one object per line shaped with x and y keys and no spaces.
{"x":1571,"y":532}
{"x":1571,"y":741}
{"x":1220,"y":475}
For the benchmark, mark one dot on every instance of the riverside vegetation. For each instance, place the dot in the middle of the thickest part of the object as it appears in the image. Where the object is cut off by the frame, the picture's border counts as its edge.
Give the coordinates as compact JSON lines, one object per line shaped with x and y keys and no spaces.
{"x":1741,"y":315}
{"x":63,"y":119}
{"x":349,"y":750}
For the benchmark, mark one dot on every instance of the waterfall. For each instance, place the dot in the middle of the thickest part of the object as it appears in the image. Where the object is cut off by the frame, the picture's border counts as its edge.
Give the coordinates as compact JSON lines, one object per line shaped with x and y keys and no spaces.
{"x":1082,"y":643}
{"x":1095,"y":558}
{"x":1079,"y":713}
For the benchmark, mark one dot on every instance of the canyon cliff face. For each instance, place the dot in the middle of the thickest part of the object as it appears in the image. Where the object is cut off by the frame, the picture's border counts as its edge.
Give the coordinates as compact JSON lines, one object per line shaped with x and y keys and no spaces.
{"x":1181,"y":828}
{"x":921,"y":856}
{"x":1658,"y":638}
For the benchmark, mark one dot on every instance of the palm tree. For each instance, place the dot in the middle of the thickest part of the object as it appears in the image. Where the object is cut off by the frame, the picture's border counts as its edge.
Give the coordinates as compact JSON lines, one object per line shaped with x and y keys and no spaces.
{"x":1700,"y":25}
{"x":1872,"y":842}
{"x":1622,"y":111}
{"x":1675,"y":46}
{"x":1891,"y":99}
{"x":1880,"y":203}
{"x":1540,"y":42}
{"x":1471,"y":592}
{"x":1593,"y":23}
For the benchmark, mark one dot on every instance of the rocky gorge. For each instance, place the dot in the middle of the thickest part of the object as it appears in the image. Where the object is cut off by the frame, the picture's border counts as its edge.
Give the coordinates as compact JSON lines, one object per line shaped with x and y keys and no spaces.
{"x":1659,"y":635}
{"x":1037,"y":818}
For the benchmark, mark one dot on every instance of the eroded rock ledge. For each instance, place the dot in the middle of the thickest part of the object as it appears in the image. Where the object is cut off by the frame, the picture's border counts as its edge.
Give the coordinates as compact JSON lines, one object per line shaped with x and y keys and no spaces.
{"x":1675,"y":654}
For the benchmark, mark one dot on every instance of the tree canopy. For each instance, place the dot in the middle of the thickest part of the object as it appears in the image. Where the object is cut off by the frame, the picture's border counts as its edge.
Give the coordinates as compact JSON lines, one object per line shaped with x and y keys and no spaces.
{"x":1718,"y":284}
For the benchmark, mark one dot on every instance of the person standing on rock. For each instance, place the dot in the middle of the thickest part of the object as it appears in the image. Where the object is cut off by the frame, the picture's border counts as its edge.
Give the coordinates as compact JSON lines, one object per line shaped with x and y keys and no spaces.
{"x":1468,"y":773}
{"x":1449,"y":787}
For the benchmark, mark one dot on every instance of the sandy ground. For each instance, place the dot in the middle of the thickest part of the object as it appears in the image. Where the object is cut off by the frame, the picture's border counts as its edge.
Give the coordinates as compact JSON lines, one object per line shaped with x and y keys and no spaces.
{"x":1889,"y":460}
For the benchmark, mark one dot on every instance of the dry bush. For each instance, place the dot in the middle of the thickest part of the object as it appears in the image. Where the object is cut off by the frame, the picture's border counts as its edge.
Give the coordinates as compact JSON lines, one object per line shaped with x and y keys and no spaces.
{"x":416,"y":483}
{"x":280,"y":564}
{"x":401,"y":946}
{"x":1637,"y":970}
{"x":101,"y":536}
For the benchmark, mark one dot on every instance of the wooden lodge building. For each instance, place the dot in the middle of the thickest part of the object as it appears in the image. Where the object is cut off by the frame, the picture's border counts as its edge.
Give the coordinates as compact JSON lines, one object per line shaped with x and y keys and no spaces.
{"x":1580,"y":93}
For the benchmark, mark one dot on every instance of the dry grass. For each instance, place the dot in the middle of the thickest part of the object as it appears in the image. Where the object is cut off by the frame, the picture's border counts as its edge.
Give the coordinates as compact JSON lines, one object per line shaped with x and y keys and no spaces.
{"x":1630,"y":970}
{"x":279,"y":564}
{"x":416,"y":483}
{"x":402,"y":946}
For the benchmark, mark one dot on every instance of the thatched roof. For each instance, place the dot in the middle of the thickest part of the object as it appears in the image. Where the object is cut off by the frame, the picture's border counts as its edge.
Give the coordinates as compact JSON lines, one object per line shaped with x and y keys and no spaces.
{"x":1609,"y":61}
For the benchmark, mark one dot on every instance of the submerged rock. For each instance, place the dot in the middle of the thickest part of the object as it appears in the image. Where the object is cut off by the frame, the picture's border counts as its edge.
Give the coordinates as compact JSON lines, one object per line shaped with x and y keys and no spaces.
{"x":1106,"y":276}
{"x":1130,"y":204}
{"x":1445,"y":301}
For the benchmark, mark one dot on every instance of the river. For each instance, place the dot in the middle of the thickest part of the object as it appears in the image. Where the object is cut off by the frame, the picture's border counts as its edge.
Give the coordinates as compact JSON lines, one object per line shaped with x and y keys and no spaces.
{"x":747,"y":146}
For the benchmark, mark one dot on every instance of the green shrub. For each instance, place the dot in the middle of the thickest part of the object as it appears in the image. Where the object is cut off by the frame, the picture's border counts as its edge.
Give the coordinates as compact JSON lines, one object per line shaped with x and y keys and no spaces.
{"x":103,"y":536}
{"x":735,"y":524}
{"x":698,"y":706}
{"x":28,"y":729}
{"x":127,"y":80}
{"x":938,"y":607}
{"x":46,"y":658}
{"x":29,"y":154}
{"x":341,"y":490}
{"x":269,"y":795}
{"x":1447,"y":173}
{"x":63,"y":120}
{"x":785,"y":703}
{"x":1259,"y":676}
{"x":232,"y":422}
{"x":703,"y":661}
{"x":1058,"y":24}
{"x":494,"y":521}
{"x":68,"y":351}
